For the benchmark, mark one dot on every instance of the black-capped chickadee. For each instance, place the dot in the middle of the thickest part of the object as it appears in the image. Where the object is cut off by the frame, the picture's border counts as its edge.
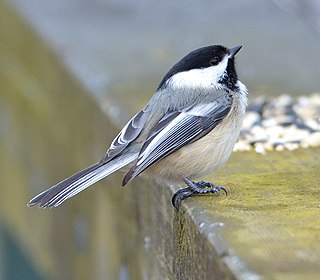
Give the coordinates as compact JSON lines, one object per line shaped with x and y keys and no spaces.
{"x":187,"y":130}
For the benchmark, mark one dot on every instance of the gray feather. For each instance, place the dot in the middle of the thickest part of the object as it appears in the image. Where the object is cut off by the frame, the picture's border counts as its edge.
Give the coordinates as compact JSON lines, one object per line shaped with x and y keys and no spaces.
{"x":113,"y":160}
{"x":180,"y":128}
{"x":128,"y":134}
{"x":71,"y":186}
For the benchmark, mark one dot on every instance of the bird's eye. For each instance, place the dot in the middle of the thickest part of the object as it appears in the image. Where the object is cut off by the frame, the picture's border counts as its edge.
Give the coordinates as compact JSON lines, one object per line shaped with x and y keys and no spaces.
{"x":214,"y":61}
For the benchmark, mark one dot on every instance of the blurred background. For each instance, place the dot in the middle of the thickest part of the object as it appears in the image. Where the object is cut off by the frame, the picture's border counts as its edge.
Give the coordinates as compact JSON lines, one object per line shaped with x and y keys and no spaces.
{"x":117,"y":47}
{"x":59,"y":58}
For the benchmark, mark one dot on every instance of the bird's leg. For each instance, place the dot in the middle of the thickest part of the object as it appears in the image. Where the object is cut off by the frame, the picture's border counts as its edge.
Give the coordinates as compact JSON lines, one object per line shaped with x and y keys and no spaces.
{"x":193,"y":188}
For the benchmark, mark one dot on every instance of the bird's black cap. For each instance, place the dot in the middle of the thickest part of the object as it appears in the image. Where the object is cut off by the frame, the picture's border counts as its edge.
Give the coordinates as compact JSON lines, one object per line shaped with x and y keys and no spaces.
{"x":200,"y":58}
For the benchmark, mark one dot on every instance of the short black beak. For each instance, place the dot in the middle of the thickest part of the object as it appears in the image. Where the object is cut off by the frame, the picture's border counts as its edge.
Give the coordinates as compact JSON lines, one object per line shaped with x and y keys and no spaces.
{"x":233,"y":51}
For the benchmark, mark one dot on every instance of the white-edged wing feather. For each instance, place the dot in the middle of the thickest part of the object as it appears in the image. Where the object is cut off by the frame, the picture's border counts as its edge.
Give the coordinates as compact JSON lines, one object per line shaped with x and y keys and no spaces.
{"x":179,"y":128}
{"x":129,"y":133}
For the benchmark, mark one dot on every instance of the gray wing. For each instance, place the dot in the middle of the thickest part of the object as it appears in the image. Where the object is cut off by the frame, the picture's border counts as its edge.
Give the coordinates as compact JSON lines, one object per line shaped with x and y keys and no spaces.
{"x":179,"y":128}
{"x":129,"y":133}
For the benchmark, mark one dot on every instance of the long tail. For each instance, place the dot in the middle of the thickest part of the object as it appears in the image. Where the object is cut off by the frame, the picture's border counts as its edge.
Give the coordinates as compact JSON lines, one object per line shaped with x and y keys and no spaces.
{"x":83,"y":179}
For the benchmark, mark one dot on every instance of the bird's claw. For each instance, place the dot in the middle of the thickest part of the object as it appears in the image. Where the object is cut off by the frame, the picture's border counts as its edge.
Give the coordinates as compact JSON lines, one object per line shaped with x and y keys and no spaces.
{"x":201,"y":187}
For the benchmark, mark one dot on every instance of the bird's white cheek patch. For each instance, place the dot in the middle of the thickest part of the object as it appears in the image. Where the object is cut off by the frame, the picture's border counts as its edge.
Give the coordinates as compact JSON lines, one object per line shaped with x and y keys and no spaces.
{"x":207,"y":77}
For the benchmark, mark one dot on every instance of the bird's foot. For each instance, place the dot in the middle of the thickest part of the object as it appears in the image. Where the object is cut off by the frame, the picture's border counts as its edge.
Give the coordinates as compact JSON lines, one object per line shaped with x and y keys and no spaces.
{"x":193,"y":188}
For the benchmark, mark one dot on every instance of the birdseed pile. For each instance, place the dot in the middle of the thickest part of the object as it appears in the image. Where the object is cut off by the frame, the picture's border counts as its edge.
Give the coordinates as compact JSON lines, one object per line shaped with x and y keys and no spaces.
{"x":281,"y":123}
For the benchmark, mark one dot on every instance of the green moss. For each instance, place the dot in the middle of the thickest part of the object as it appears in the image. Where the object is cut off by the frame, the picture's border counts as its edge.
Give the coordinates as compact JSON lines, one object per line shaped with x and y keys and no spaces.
{"x":271,"y":216}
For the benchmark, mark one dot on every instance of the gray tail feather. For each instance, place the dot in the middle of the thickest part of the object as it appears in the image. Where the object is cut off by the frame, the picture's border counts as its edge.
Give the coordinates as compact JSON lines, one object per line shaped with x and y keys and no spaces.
{"x":79,"y":181}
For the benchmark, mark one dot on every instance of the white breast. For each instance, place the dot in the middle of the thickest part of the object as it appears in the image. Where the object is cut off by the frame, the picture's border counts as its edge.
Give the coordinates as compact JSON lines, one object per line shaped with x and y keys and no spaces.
{"x":208,"y":153}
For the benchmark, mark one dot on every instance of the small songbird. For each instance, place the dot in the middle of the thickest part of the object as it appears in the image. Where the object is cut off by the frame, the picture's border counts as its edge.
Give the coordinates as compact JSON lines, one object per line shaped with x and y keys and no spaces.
{"x":187,"y":130}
